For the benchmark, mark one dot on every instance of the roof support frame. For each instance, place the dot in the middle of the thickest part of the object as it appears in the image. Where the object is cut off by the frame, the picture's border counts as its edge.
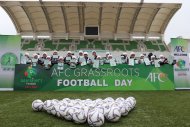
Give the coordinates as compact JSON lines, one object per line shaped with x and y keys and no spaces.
{"x":152,"y":19}
{"x":135,"y":17}
{"x":25,"y":13}
{"x":29,"y":18}
{"x":117,"y":17}
{"x":81,"y":18}
{"x":47,"y":16}
{"x":163,"y":28}
{"x":100,"y":17}
{"x":65,"y":18}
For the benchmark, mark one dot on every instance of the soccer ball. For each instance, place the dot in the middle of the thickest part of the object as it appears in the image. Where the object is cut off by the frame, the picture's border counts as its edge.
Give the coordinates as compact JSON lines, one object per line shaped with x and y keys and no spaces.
{"x":79,"y":116}
{"x":113,"y":114}
{"x":85,"y":109}
{"x":37,"y":105}
{"x":109,"y":99}
{"x":48,"y":105}
{"x":100,"y":108}
{"x":120,"y":99}
{"x":55,"y":101}
{"x":95,"y":118}
{"x":69,"y":112}
{"x":57,"y":110}
{"x":124,"y":109}
{"x":131,"y":103}
{"x":133,"y":99}
{"x":106,"y":107}
{"x":61,"y":111}
{"x":53,"y":110}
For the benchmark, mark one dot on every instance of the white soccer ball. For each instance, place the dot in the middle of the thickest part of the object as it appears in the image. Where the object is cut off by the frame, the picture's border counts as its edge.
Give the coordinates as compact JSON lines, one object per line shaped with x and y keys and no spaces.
{"x":131,"y":102}
{"x":100,"y":108}
{"x":79,"y":116}
{"x":69,"y":113}
{"x":124,"y":109}
{"x":55,"y":101}
{"x":78,"y":100}
{"x":57,"y":110}
{"x":37,"y":105}
{"x":95,"y":118}
{"x":61,"y":111}
{"x":67,"y":100}
{"x":133,"y":99}
{"x":48,"y":105}
{"x":86,"y":110}
{"x":99,"y":102}
{"x":120,"y":99}
{"x":106,"y":107}
{"x":53,"y":111}
{"x":109,"y":99}
{"x":113,"y":114}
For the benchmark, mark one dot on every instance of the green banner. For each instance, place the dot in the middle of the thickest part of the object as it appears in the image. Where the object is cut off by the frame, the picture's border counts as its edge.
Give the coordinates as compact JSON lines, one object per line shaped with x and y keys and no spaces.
{"x":9,"y":56}
{"x":119,"y":78}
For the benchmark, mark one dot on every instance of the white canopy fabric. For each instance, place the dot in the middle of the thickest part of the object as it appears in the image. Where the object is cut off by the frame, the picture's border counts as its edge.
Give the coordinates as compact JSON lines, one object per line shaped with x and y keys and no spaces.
{"x":70,"y":18}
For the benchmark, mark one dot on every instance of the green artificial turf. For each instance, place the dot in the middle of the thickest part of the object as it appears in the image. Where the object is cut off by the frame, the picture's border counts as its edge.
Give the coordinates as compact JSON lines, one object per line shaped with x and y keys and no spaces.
{"x":153,"y":109}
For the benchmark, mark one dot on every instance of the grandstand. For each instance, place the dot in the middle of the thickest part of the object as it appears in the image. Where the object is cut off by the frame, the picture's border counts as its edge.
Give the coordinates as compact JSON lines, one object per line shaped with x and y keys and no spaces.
{"x":112,"y":45}
{"x":63,"y":23}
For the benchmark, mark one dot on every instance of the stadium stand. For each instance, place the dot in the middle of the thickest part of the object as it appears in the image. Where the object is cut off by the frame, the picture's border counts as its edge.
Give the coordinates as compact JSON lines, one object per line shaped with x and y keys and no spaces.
{"x":28,"y":44}
{"x":99,"y":45}
{"x":49,"y":45}
{"x":71,"y":44}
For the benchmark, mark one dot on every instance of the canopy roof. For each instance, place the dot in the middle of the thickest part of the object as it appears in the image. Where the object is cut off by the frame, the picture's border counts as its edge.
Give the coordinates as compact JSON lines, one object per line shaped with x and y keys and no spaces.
{"x":69,"y":18}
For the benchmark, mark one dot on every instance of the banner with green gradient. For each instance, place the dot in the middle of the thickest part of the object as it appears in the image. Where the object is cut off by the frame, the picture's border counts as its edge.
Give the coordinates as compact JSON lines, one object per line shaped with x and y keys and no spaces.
{"x":9,"y":56}
{"x":119,"y":78}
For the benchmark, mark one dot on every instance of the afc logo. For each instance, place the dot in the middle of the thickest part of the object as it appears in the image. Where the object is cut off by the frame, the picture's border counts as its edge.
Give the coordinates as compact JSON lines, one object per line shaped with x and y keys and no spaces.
{"x":154,"y":77}
{"x":179,"y":49}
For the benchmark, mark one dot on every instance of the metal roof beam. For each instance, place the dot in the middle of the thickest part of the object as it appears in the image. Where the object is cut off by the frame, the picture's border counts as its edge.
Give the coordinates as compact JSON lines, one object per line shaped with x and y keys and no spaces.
{"x":65,"y":18}
{"x":117,"y":17}
{"x":100,"y":17}
{"x":137,"y":12}
{"x":29,"y":18}
{"x":47,"y":16}
{"x":152,"y":19}
{"x":166,"y":22}
{"x":81,"y":18}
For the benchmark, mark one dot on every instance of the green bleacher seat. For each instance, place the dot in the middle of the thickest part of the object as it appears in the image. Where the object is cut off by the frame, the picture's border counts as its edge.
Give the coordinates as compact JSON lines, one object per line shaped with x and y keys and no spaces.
{"x":132,"y":46}
{"x":82,"y":45}
{"x":90,"y":40}
{"x":98,"y":45}
{"x":90,"y":46}
{"x":162,"y":48}
{"x":31,"y":44}
{"x":65,"y":41}
{"x":49,"y":44}
{"x":118,"y":47}
{"x":63,"y":46}
{"x":159,"y":41}
{"x":149,"y":45}
{"x":115,"y":41}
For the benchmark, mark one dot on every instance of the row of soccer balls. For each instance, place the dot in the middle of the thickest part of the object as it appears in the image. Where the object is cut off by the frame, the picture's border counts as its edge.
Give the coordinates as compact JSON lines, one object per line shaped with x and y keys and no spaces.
{"x":92,"y":111}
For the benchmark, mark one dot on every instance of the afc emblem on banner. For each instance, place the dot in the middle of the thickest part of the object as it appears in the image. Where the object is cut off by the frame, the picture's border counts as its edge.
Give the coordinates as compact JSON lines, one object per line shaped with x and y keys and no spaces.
{"x":179,"y":49}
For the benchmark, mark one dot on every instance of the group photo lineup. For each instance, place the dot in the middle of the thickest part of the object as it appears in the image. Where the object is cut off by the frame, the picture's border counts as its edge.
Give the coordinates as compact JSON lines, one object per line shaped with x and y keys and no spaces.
{"x":97,"y":63}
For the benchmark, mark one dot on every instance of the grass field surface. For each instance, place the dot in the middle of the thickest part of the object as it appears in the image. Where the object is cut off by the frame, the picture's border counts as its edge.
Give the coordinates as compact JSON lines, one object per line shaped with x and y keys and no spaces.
{"x":153,"y":109}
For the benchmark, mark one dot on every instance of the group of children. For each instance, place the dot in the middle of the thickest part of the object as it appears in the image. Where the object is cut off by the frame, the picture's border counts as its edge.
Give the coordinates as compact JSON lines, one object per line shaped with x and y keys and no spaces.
{"x":96,"y":60}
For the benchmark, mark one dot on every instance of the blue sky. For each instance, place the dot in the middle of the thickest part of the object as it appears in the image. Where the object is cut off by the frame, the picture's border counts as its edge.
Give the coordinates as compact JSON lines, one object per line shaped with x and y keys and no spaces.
{"x":178,"y":26}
